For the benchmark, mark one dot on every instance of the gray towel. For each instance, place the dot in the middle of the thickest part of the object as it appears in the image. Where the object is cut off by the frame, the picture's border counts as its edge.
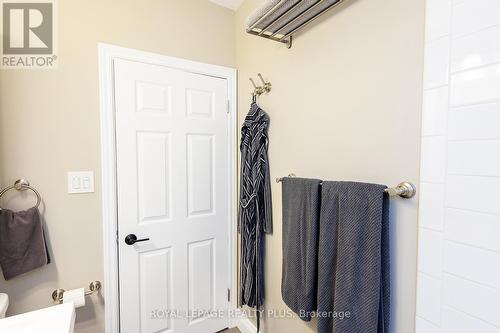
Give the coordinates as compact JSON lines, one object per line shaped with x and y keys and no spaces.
{"x":292,"y":14}
{"x":353,"y":266}
{"x":301,"y":207}
{"x":22,"y":242}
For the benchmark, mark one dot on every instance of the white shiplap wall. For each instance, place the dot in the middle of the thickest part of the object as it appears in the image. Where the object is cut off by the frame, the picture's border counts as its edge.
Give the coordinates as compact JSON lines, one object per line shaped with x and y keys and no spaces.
{"x":458,"y":287}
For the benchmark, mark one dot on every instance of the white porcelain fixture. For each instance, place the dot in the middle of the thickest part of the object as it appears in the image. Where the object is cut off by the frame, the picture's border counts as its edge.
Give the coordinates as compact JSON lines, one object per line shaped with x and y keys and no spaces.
{"x":4,"y":304}
{"x":54,"y":319}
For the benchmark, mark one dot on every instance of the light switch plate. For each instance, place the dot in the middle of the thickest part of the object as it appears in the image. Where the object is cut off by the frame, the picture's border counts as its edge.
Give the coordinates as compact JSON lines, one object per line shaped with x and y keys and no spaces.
{"x":80,"y":182}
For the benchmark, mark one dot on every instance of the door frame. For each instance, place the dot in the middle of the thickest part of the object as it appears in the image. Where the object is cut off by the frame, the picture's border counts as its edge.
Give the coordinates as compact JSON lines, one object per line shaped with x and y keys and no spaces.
{"x":107,"y":54}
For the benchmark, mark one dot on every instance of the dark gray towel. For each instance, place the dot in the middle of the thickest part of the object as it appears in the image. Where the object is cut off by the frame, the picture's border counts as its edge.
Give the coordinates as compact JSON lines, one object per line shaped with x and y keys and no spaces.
{"x":22,"y":242}
{"x":301,"y":207}
{"x":353,"y":266}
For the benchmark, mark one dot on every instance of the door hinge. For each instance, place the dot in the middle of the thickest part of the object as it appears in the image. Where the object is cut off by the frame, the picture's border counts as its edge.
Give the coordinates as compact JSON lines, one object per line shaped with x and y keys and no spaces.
{"x":228,"y":106}
{"x":228,"y":295}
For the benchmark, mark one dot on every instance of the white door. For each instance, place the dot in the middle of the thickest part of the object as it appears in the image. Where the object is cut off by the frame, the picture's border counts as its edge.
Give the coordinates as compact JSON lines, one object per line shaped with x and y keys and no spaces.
{"x":173,"y":189}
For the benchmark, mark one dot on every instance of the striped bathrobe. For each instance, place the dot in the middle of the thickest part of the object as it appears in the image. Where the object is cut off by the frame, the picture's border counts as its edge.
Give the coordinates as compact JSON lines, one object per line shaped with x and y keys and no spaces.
{"x":255,"y":215}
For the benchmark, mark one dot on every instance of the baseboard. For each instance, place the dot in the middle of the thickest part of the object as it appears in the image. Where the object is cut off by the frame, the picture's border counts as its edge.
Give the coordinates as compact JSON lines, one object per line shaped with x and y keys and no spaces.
{"x":245,"y":325}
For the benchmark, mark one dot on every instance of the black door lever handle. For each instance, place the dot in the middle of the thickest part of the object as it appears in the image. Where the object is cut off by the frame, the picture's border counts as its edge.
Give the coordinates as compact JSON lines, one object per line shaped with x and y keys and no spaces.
{"x":132,"y":239}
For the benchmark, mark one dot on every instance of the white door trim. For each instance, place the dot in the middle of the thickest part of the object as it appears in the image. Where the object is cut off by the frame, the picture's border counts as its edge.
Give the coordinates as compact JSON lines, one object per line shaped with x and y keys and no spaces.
{"x":107,"y":54}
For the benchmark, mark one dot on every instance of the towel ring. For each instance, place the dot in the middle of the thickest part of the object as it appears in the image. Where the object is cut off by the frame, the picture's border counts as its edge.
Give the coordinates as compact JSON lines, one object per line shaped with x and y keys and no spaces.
{"x":23,"y":185}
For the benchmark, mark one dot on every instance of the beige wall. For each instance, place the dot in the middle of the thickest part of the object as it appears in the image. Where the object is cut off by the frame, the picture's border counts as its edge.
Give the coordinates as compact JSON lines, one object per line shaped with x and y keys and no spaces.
{"x":49,"y":124}
{"x":345,"y":105}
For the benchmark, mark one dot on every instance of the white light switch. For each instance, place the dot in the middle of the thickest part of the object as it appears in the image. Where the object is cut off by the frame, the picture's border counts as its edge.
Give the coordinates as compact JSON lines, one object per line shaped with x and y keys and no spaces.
{"x":81,"y":182}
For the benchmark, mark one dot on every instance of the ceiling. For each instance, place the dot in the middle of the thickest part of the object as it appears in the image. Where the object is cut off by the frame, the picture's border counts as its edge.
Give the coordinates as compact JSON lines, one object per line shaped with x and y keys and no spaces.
{"x":231,"y":4}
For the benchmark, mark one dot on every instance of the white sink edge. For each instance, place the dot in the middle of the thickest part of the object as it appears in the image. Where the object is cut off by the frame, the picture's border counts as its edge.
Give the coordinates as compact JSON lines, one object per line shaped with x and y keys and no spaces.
{"x":54,"y":319}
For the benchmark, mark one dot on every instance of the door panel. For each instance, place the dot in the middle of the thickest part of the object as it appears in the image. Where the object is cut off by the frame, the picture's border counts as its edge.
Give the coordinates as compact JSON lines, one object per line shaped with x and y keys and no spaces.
{"x":201,"y":288}
{"x":153,"y":168}
{"x":172,"y":176}
{"x":155,"y":288}
{"x":200,"y":174}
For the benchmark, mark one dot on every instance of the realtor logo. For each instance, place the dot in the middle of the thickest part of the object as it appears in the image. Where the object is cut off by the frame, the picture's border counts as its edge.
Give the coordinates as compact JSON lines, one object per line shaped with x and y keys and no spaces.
{"x":28,"y":34}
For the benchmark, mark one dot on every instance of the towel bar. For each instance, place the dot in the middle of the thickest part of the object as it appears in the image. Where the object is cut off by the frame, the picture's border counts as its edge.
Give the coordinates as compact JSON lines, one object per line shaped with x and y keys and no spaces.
{"x":404,"y":190}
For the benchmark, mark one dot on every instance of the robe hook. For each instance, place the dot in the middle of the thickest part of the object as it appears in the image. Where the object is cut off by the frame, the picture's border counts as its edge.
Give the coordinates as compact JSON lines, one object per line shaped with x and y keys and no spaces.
{"x":259,"y":90}
{"x":253,"y":83}
{"x":266,"y":85}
